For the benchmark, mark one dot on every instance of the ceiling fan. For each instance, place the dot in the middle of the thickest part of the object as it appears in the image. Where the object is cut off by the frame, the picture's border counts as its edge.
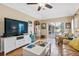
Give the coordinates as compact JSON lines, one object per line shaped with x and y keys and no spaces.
{"x":41,"y":5}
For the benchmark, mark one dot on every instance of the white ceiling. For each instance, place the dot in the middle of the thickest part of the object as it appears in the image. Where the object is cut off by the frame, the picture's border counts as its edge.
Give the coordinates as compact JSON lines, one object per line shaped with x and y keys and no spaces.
{"x":58,"y":10}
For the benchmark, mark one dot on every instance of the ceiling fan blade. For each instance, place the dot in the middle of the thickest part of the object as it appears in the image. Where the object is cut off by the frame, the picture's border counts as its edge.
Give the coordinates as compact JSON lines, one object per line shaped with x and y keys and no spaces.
{"x":31,"y":3}
{"x":39,"y":8}
{"x":48,"y":6}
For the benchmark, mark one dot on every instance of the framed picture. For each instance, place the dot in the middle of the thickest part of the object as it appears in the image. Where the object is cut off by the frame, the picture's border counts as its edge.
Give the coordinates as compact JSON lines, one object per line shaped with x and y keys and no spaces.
{"x":43,"y":25}
{"x":68,"y":25}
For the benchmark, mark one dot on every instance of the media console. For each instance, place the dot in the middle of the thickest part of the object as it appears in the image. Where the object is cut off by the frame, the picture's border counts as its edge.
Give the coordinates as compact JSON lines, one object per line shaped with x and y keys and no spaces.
{"x":12,"y":43}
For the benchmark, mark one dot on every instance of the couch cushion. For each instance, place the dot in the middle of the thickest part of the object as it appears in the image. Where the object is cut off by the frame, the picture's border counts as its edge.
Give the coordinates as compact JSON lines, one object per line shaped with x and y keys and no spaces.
{"x":75,"y":43}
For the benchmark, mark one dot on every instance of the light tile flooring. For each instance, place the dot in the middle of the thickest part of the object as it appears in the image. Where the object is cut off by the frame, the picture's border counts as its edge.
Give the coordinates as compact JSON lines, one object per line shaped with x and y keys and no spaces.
{"x":62,"y":50}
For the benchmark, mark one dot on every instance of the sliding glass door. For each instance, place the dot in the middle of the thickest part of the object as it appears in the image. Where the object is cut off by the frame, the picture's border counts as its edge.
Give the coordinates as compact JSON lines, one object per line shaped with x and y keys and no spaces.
{"x":56,"y":28}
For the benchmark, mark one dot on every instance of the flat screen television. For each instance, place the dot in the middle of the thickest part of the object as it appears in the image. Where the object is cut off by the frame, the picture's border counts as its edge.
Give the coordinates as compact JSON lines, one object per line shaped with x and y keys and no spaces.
{"x":14,"y":27}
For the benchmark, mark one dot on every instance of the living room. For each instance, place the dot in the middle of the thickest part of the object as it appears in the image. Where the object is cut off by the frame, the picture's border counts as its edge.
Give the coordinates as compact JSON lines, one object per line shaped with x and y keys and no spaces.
{"x":26,"y":30}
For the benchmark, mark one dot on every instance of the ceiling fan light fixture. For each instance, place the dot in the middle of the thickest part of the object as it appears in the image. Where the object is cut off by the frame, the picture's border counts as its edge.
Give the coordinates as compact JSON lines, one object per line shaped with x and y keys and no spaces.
{"x":41,"y":4}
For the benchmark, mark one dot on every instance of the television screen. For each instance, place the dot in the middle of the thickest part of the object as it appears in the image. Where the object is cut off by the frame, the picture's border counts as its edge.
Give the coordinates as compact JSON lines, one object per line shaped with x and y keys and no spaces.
{"x":15,"y":27}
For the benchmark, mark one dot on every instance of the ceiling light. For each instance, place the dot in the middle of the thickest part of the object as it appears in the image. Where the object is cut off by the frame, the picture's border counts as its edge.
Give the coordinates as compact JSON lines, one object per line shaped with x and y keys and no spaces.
{"x":41,"y":4}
